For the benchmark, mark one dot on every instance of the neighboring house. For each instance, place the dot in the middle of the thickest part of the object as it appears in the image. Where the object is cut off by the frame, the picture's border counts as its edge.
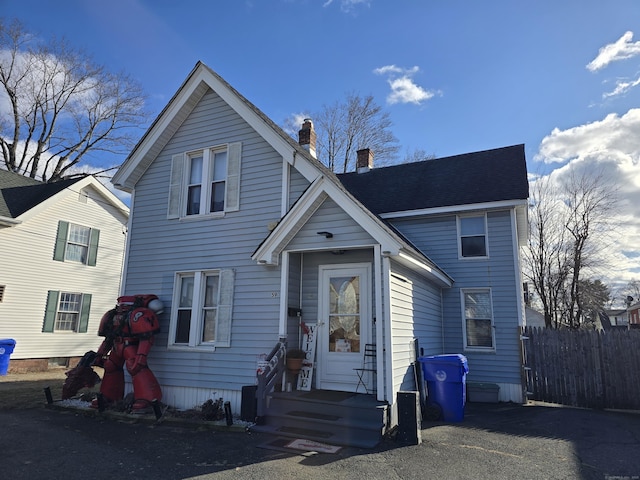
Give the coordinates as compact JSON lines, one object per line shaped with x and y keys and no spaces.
{"x":534,"y":318}
{"x":633,"y":315}
{"x":63,"y":249}
{"x":238,"y":228}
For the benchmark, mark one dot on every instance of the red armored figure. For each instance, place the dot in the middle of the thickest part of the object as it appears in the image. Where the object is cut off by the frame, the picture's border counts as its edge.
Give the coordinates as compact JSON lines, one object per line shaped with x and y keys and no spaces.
{"x":128,"y":330}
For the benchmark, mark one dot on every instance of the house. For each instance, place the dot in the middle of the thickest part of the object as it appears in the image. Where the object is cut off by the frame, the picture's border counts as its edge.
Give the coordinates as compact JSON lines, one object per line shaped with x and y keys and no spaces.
{"x":633,"y":315}
{"x":534,"y":318}
{"x":251,"y":243}
{"x":63,"y":247}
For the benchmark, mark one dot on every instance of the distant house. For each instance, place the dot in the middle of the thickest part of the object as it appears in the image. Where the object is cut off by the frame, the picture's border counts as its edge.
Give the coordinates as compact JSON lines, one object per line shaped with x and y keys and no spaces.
{"x":63,"y":249}
{"x":633,"y":313}
{"x":534,"y":318}
{"x":618,"y":317}
{"x":248,"y":240}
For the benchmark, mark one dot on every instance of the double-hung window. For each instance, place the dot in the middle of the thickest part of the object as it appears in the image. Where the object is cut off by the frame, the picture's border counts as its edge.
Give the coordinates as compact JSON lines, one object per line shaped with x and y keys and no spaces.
{"x":478,"y":319}
{"x":205,"y":182}
{"x":67,"y":312}
{"x":472,"y":231}
{"x":76,"y":243}
{"x":202,"y":314}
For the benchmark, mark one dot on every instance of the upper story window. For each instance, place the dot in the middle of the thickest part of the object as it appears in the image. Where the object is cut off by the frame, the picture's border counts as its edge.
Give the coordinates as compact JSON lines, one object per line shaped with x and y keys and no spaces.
{"x":67,"y":312}
{"x":205,"y":182}
{"x":478,"y":319}
{"x":472,"y":231}
{"x":202,"y":314}
{"x":76,"y":243}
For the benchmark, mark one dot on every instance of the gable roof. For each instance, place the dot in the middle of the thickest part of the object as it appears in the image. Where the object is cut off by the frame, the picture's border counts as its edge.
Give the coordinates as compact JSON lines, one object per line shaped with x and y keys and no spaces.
{"x":497,"y":175}
{"x":20,"y":194}
{"x":198,"y":82}
{"x":17,"y":195}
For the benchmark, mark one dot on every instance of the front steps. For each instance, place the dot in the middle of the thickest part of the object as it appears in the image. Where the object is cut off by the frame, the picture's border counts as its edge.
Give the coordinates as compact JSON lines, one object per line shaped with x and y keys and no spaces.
{"x":335,"y":418}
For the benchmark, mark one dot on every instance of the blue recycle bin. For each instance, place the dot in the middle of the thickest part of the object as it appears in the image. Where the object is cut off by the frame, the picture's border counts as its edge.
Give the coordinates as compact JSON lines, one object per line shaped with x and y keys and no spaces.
{"x":6,"y":349}
{"x":446,"y":377}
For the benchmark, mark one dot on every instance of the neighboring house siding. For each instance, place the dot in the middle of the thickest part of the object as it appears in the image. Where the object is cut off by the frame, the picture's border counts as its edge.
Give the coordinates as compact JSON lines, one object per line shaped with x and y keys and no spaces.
{"x":437,"y":238}
{"x":30,"y":272}
{"x":330,"y":218}
{"x":160,"y":247}
{"x":415,"y":314}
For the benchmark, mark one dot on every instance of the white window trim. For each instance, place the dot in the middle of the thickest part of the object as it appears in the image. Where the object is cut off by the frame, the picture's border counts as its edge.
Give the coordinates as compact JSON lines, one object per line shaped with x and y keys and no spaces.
{"x":486,"y":237}
{"x":225,"y":312}
{"x":179,"y":181}
{"x":474,"y":348}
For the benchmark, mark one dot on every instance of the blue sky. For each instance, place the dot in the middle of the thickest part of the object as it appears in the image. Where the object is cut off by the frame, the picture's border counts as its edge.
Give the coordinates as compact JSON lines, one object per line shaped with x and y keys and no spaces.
{"x":562,"y":77}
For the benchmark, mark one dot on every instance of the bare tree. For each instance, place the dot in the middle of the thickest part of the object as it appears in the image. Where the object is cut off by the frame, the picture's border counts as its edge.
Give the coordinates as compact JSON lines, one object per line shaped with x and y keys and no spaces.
{"x":343,"y":128}
{"x":545,"y":256}
{"x":57,"y":106}
{"x":568,"y":222}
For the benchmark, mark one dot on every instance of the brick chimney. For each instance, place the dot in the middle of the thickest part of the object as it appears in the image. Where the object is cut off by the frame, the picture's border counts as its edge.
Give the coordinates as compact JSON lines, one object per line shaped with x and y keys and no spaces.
{"x":365,"y":160}
{"x":307,"y":137}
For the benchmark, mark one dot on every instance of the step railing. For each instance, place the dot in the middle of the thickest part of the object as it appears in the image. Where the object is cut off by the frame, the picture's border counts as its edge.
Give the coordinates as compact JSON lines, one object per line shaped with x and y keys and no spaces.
{"x":268,"y":378}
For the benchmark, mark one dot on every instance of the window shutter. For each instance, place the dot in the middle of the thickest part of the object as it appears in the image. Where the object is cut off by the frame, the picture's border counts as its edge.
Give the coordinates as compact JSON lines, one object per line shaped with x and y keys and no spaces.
{"x":93,"y":247}
{"x":61,"y":241}
{"x":175,"y":186}
{"x":232,"y":200}
{"x":84,"y":313}
{"x":50,"y":311}
{"x":223,"y":335}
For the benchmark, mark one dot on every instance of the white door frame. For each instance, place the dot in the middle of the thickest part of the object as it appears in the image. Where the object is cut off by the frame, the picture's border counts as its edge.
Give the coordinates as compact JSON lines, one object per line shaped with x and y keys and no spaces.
{"x":335,"y":370}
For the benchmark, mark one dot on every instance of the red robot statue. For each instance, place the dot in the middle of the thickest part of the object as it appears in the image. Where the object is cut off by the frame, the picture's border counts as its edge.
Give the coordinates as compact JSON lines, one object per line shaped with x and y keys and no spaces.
{"x":128,"y":330}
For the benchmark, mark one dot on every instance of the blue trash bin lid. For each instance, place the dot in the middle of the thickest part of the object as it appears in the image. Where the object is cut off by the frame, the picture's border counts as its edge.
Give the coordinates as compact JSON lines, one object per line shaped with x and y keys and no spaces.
{"x":8,"y":342}
{"x":449,"y":359}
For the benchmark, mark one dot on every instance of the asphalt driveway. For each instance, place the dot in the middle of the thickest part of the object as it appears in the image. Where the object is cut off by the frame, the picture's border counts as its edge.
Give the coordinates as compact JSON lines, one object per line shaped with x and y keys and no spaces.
{"x":497,"y":441}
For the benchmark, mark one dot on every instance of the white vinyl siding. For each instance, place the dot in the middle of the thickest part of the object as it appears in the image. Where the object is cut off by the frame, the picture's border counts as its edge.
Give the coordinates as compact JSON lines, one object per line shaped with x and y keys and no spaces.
{"x":205,"y":182}
{"x":31,"y":272}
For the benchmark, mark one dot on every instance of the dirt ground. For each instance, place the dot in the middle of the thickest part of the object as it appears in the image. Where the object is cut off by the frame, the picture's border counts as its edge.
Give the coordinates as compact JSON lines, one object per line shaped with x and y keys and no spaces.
{"x":26,"y":390}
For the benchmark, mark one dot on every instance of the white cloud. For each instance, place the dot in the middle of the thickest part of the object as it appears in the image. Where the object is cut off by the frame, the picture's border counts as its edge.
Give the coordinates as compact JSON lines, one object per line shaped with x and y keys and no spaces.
{"x":403,"y":88}
{"x":622,"y":49}
{"x":610,"y":146}
{"x":348,"y":5}
{"x":622,"y":88}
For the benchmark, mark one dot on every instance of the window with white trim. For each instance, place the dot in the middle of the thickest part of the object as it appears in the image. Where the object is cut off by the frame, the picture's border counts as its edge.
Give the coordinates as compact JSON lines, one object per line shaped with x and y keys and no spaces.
{"x":201,"y":317}
{"x":478,"y":319}
{"x":76,"y":243}
{"x":67,"y":312}
{"x":472,"y":232}
{"x":205,"y":182}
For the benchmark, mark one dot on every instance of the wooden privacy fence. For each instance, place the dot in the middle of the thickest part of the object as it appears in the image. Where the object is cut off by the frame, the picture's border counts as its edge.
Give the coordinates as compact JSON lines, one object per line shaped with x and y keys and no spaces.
{"x":591,"y":369}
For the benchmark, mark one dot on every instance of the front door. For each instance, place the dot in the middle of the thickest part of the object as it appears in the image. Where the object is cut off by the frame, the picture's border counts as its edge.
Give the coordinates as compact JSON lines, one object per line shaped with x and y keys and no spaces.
{"x":343,"y":324}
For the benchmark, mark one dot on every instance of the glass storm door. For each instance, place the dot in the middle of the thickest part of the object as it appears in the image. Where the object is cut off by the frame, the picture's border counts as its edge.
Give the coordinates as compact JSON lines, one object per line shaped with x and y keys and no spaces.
{"x":344,"y":317}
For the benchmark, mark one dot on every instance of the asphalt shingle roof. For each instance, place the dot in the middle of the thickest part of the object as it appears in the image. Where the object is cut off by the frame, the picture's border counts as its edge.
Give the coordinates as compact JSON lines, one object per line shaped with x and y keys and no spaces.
{"x":479,"y":177}
{"x":19,"y":194}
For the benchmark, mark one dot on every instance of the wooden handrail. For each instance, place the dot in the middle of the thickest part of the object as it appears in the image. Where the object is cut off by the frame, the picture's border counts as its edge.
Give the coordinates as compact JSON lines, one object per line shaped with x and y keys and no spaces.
{"x":268,"y":378}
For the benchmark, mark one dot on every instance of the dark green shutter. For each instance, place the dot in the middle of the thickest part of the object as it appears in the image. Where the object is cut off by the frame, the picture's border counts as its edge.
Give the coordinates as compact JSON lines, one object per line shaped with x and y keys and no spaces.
{"x":50,"y":312}
{"x":93,"y":247}
{"x":61,"y":241}
{"x":84,"y":313}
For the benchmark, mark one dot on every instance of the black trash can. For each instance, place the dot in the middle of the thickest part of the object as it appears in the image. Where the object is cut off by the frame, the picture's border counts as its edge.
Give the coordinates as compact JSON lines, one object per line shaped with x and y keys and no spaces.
{"x":446,"y":377}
